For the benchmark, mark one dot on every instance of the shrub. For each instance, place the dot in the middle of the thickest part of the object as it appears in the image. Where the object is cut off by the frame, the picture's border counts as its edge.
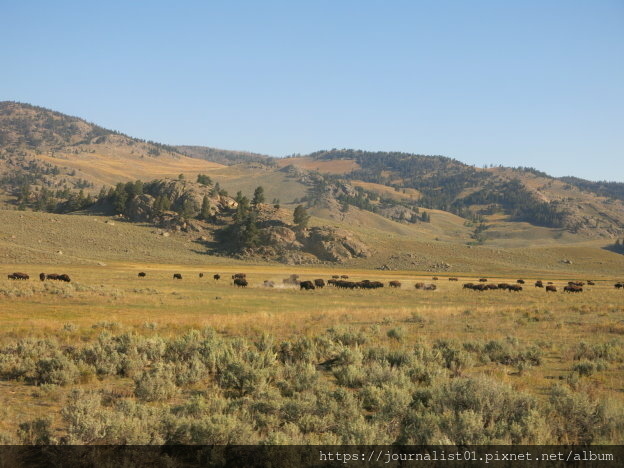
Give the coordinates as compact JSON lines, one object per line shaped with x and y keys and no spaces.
{"x":156,"y":384}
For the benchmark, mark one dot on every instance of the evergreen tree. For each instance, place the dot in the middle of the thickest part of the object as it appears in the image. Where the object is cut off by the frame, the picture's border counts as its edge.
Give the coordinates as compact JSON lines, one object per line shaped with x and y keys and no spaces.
{"x":205,"y":209}
{"x":204,"y":179}
{"x":301,"y":217}
{"x":258,"y":196}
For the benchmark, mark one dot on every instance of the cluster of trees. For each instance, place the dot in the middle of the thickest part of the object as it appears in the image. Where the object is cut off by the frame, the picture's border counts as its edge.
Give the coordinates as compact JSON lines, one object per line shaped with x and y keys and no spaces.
{"x":606,"y":189}
{"x":521,"y":204}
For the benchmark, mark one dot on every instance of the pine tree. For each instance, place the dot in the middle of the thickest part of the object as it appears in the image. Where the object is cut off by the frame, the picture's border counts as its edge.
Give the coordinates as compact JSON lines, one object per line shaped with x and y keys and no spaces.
{"x":205,"y":209}
{"x":301,"y":217}
{"x":258,"y":196}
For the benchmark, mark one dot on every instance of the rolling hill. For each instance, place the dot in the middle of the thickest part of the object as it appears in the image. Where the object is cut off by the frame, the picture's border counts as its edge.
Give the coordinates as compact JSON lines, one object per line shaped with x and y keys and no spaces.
{"x":413,"y":211}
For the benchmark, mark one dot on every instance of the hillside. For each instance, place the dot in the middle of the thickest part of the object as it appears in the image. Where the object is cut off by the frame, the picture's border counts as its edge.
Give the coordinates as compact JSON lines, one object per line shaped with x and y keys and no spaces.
{"x":394,"y":203}
{"x":47,"y":149}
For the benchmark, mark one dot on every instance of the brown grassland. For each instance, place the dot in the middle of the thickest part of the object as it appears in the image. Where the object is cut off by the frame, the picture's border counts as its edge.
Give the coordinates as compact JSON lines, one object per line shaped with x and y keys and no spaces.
{"x":113,"y":299}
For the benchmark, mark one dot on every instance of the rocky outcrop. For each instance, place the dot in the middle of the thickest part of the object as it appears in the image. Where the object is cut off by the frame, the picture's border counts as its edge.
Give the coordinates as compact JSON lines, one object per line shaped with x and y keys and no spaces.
{"x":333,"y":244}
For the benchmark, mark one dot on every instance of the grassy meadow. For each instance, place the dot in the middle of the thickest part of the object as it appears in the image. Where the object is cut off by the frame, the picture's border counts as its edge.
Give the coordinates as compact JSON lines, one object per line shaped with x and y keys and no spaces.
{"x":155,"y":359}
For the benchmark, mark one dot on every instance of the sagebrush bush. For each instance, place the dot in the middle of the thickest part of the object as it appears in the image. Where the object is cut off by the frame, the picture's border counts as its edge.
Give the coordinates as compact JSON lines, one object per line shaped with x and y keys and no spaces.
{"x":156,"y":384}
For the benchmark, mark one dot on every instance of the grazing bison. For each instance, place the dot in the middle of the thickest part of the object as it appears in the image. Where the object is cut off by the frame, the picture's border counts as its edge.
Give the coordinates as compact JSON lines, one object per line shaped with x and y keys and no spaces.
{"x":551,"y":288}
{"x":590,"y":283}
{"x":307,"y":285}
{"x":619,"y":285}
{"x":539,"y":284}
{"x":64,"y":277}
{"x":239,"y":276}
{"x":503,"y":286}
{"x":520,"y":281}
{"x":453,"y":279}
{"x":514,"y":288}
{"x":483,"y":280}
{"x":319,"y":283}
{"x":52,"y":276}
{"x":18,"y":276}
{"x":435,"y":278}
{"x":344,"y":276}
{"x":579,"y":284}
{"x":42,"y":276}
{"x":335,"y":277}
{"x":240,"y":282}
{"x":491,"y":286}
{"x":419,"y":285}
{"x":571,"y":288}
{"x":177,"y":276}
{"x":394,"y":284}
{"x":201,"y":275}
{"x":216,"y":277}
{"x":468,"y":285}
{"x":141,"y":274}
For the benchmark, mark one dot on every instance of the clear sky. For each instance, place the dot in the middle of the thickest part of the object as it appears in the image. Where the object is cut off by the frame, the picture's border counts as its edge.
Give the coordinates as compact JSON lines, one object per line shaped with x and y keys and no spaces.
{"x":531,"y":83}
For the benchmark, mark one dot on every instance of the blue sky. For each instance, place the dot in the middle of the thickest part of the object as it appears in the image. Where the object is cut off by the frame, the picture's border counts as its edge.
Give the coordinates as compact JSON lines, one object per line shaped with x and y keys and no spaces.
{"x":531,"y":83}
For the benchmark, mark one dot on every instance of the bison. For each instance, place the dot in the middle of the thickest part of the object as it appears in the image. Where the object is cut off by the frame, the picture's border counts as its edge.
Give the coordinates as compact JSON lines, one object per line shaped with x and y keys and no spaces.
{"x":335,"y":277}
{"x":18,"y":276}
{"x":430,"y":287}
{"x":571,"y":288}
{"x":503,"y":286}
{"x":64,"y":277}
{"x":52,"y":276}
{"x":177,"y":276}
{"x":453,"y":279}
{"x":514,"y":288}
{"x":141,"y":274}
{"x":539,"y":284}
{"x":482,"y":280}
{"x":269,"y":284}
{"x":42,"y":276}
{"x":590,"y":283}
{"x":201,"y":275}
{"x":520,"y":281}
{"x":240,"y":282}
{"x":394,"y":284}
{"x":419,"y":285}
{"x":239,"y":276}
{"x":619,"y":285}
{"x":319,"y":283}
{"x":344,"y":276}
{"x":216,"y":277}
{"x":551,"y":288}
{"x":435,"y":278}
{"x":468,"y":285}
{"x":307,"y":285}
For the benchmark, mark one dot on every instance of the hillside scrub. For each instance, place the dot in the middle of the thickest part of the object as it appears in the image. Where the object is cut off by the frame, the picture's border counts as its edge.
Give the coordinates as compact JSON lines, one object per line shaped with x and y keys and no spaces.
{"x":347,"y":385}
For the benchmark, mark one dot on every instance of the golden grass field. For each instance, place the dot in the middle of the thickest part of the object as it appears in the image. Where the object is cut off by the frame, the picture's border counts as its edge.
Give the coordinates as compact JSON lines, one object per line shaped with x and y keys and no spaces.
{"x":113,"y":296}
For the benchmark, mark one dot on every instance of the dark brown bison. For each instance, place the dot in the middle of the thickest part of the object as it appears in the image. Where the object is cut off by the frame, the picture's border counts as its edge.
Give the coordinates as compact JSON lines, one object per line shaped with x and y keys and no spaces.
{"x":42,"y":276}
{"x":239,"y":276}
{"x":453,"y":279}
{"x":240,"y":282}
{"x":307,"y":285}
{"x":52,"y":276}
{"x":491,"y":286}
{"x":141,"y":274}
{"x":520,"y":281}
{"x":394,"y":284}
{"x":539,"y":284}
{"x":345,"y":284}
{"x":514,"y":288}
{"x":430,"y":287}
{"x":503,"y":286}
{"x":579,"y":284}
{"x":319,"y":283}
{"x":18,"y":276}
{"x":201,"y":275}
{"x":435,"y":278}
{"x":571,"y":288}
{"x":177,"y":276}
{"x":344,"y":276}
{"x":64,"y":277}
{"x":419,"y":285}
{"x":619,"y":285}
{"x":335,"y":277}
{"x":482,"y":280}
{"x":468,"y":285}
{"x":551,"y":288}
{"x":590,"y":283}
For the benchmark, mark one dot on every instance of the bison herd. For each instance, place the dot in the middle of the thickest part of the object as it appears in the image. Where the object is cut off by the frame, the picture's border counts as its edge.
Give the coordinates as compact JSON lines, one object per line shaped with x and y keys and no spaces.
{"x":343,"y":282}
{"x":42,"y":277}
